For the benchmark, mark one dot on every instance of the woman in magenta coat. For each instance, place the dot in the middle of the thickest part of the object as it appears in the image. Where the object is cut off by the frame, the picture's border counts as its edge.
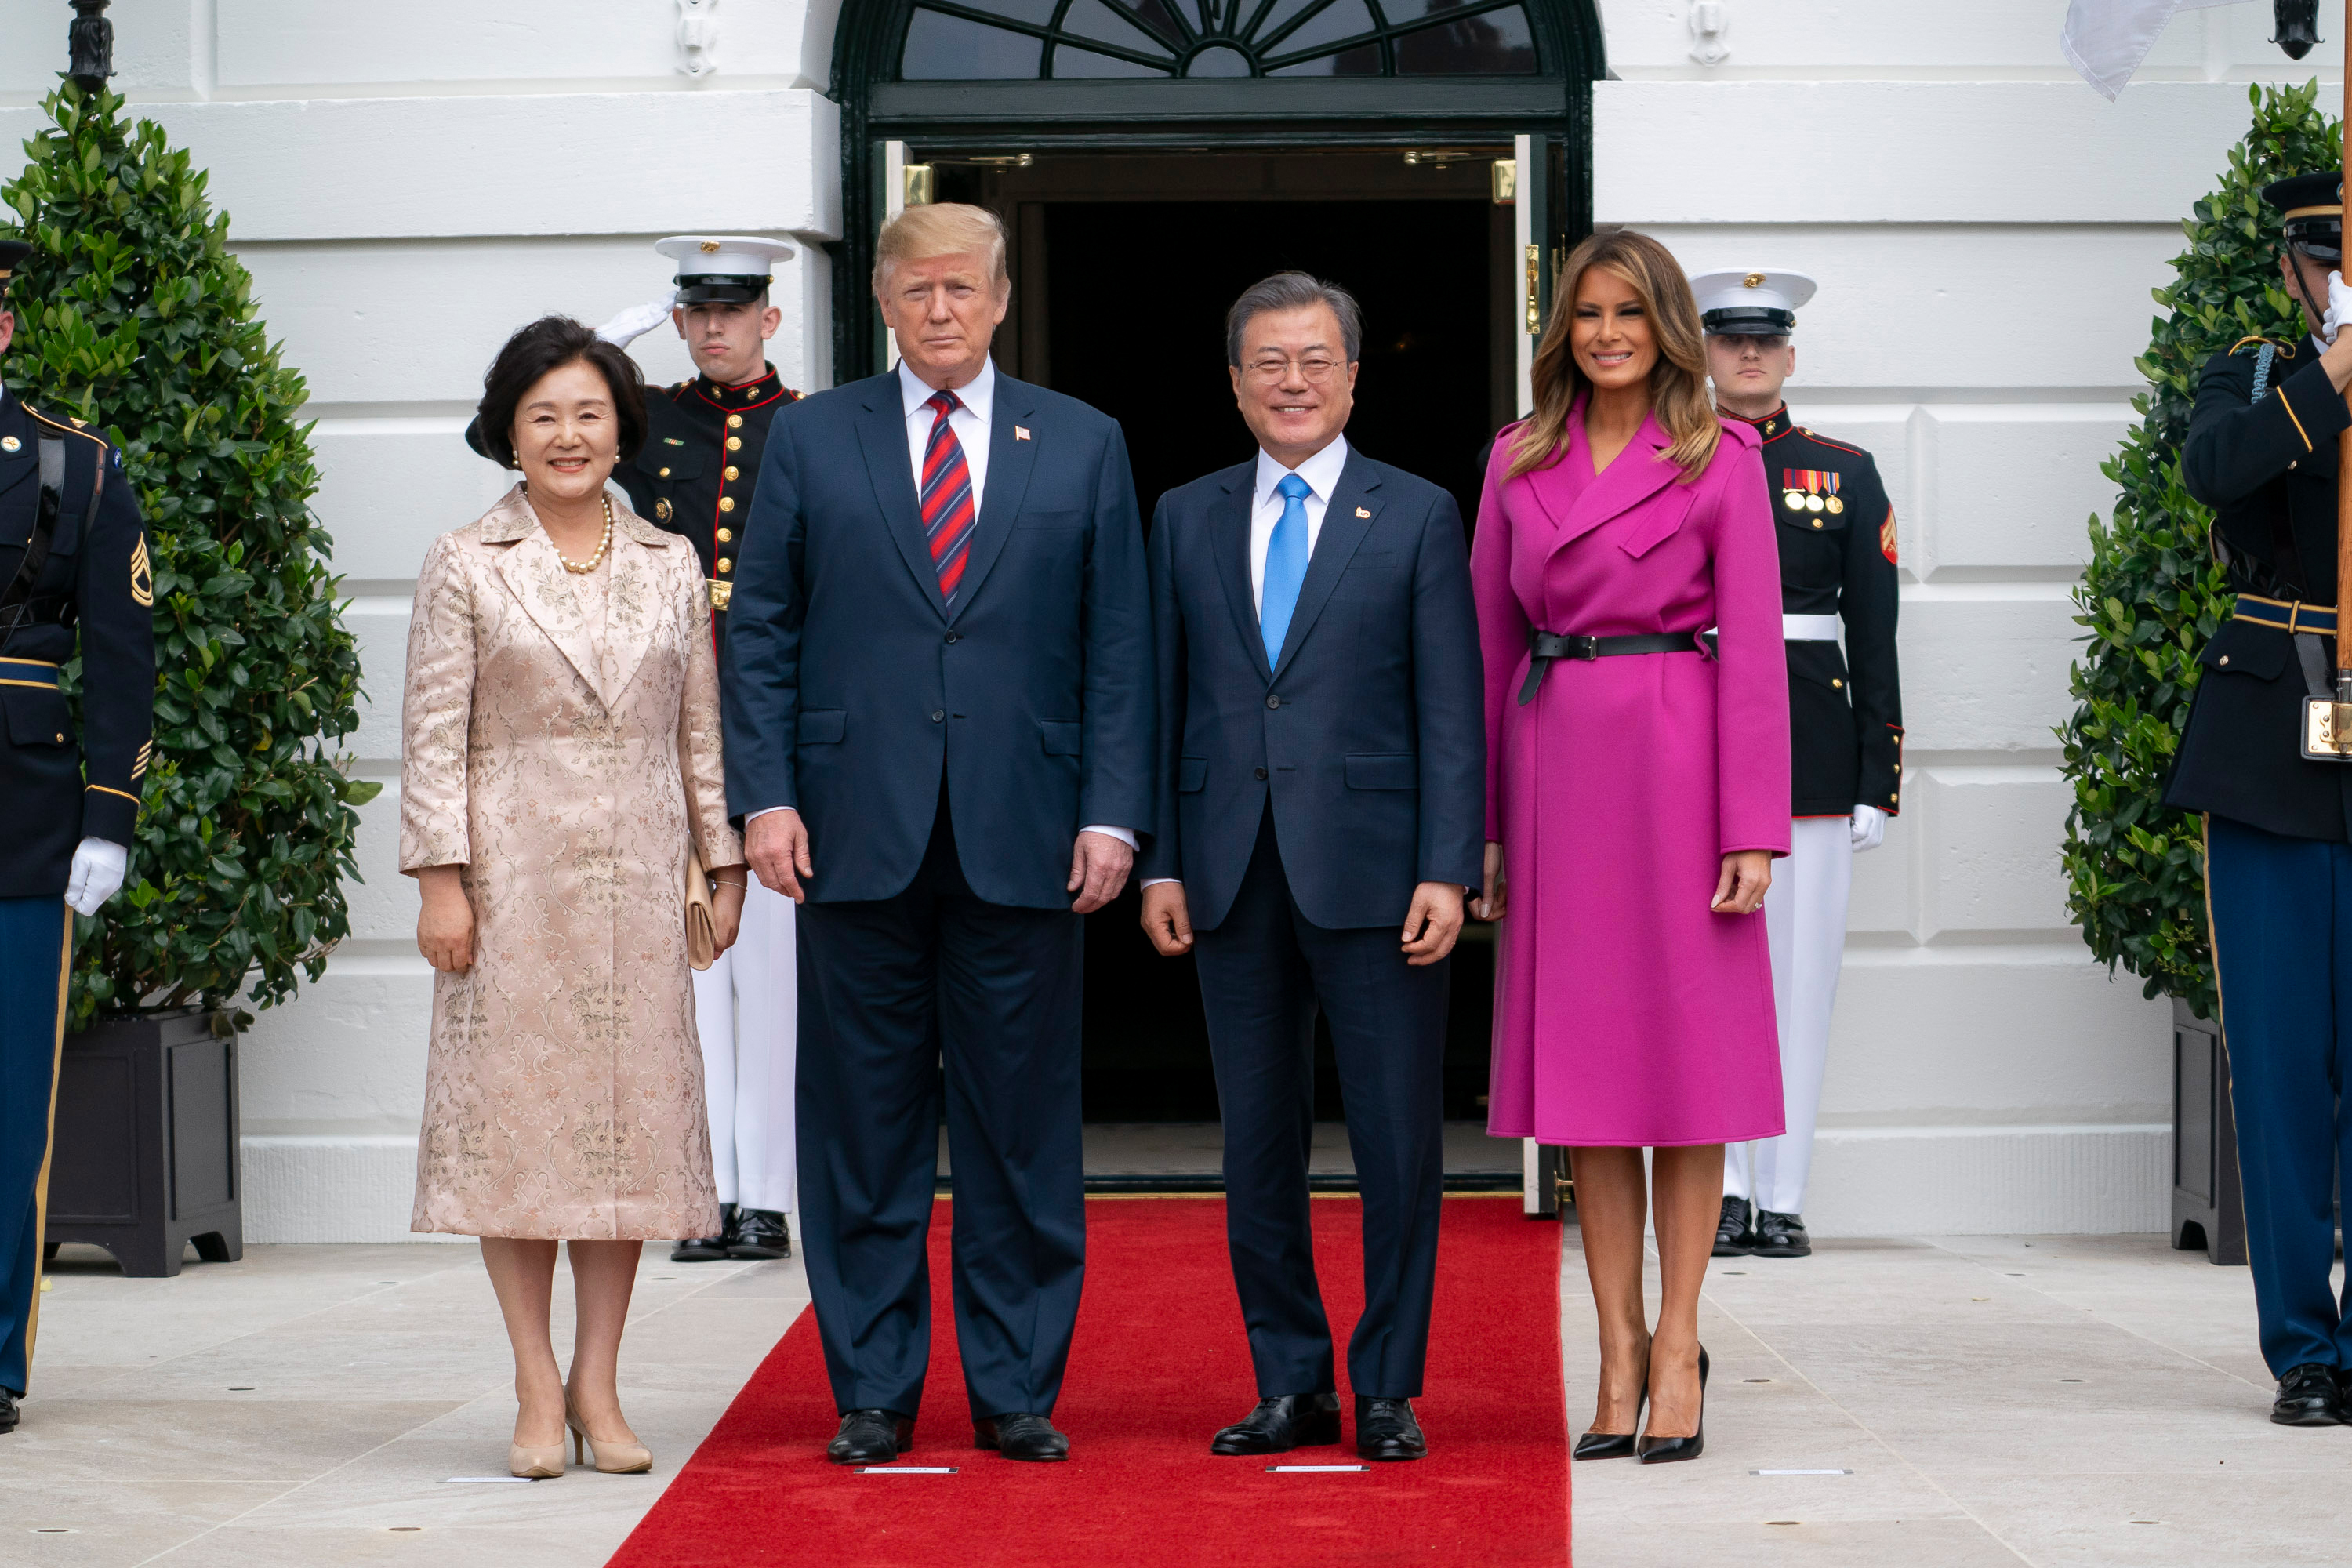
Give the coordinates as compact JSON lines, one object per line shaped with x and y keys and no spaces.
{"x":1636,"y":795}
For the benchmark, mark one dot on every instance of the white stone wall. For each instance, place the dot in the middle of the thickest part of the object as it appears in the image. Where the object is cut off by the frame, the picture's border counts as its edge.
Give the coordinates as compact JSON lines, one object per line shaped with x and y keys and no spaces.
{"x":408,"y":183}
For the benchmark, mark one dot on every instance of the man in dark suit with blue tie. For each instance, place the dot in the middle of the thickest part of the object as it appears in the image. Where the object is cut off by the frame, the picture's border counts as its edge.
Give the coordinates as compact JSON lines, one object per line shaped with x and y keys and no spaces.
{"x":939,"y":714}
{"x":1321,"y":777}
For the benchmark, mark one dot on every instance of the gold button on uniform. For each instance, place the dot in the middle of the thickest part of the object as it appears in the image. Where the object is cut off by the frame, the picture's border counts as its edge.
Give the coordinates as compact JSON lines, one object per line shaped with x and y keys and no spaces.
{"x":734,"y":443}
{"x":732,"y":472}
{"x":664,"y":473}
{"x":734,"y":421}
{"x":725,"y":504}
{"x":725,"y":565}
{"x":1837,"y":686}
{"x":725,"y":535}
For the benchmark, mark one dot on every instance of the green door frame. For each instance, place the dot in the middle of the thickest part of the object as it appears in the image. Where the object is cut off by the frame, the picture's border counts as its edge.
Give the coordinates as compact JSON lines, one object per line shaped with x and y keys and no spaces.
{"x":1131,"y":115}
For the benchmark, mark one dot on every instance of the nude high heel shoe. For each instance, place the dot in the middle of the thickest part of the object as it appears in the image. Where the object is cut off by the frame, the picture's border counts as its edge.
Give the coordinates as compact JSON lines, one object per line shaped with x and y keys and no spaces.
{"x":534,"y":1464}
{"x":610,"y":1458}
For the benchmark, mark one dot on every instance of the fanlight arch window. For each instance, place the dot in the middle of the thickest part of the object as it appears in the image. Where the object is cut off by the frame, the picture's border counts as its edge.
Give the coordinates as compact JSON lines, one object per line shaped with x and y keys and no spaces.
{"x":967,"y":40}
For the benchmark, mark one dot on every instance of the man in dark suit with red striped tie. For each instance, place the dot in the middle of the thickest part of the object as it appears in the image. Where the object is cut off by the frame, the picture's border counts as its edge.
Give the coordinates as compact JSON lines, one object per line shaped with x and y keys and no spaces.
{"x":938,"y":711}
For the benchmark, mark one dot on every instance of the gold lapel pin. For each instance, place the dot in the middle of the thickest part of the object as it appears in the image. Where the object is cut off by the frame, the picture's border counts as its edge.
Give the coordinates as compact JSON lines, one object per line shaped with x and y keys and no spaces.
{"x":1361,"y":512}
{"x":1020,"y":432}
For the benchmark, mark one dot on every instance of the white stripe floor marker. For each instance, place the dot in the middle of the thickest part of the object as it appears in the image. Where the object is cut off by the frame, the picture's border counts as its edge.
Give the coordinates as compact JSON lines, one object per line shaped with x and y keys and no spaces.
{"x":1312,"y":1470}
{"x":908,"y":1469}
{"x":1801,"y":1472}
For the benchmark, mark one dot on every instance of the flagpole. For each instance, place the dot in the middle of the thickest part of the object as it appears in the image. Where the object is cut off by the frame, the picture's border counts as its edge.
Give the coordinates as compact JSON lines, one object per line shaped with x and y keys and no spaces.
{"x":2343,"y":441}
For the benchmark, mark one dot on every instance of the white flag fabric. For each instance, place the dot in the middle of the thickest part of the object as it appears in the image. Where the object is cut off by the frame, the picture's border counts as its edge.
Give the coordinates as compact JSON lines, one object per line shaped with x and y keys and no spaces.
{"x":2105,"y":40}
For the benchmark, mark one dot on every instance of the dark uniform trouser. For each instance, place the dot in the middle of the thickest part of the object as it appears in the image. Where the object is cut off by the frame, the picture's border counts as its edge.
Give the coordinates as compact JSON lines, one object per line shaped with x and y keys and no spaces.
{"x":887,"y":988}
{"x":1264,"y":970}
{"x":33,"y":954}
{"x":2282,"y":913}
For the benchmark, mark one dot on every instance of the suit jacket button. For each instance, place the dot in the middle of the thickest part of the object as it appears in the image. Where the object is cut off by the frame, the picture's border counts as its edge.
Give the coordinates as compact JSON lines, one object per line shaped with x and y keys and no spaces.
{"x":954,"y":637}
{"x":938,"y":715}
{"x":1260,"y":773}
{"x":1273,"y":701}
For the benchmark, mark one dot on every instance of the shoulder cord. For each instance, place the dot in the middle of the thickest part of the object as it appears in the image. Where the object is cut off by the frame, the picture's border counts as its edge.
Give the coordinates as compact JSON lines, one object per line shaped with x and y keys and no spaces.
{"x":2262,"y":358}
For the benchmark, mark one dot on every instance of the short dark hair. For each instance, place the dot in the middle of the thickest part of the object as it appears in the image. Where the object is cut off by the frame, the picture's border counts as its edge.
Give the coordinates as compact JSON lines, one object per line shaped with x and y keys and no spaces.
{"x":547,"y":344}
{"x":1294,"y":292}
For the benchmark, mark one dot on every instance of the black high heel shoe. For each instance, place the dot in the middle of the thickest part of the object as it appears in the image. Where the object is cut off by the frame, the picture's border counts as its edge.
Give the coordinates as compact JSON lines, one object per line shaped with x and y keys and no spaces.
{"x":1615,"y":1444}
{"x":1667,"y":1450}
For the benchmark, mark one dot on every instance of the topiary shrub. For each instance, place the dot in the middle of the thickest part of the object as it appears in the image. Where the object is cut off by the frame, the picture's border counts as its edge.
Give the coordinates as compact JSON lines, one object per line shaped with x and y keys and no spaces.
{"x":132,"y":316}
{"x":2153,"y":595}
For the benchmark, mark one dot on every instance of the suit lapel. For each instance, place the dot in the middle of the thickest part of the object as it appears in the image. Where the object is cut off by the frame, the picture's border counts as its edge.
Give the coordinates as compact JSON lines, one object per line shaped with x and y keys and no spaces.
{"x":534,"y":575}
{"x":882,"y":435}
{"x":1637,"y":474}
{"x":1346,"y":520}
{"x":1229,"y":541}
{"x":1011,"y":461}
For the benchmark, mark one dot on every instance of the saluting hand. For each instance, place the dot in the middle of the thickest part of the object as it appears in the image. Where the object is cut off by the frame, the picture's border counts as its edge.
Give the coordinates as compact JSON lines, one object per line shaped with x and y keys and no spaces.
{"x":1740,"y":890}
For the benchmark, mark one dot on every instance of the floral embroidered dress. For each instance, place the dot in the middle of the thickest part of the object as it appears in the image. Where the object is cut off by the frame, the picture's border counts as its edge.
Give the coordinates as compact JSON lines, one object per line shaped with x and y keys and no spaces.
{"x":560,"y":740}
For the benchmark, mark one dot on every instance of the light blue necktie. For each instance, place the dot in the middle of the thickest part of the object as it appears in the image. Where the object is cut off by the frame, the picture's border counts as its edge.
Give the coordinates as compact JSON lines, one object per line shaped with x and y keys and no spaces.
{"x":1286,"y":567}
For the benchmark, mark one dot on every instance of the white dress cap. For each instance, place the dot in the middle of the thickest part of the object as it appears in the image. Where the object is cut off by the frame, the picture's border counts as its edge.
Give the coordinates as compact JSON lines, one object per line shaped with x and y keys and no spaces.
{"x":718,"y":267}
{"x":1753,"y":302}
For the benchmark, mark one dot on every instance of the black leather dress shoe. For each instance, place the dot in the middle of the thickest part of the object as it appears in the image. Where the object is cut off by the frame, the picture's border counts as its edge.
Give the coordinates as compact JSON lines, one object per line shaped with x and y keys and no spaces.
{"x":871,"y":1437}
{"x":2307,"y":1397}
{"x":1782,"y":1235}
{"x":1279,"y":1425}
{"x":1021,"y":1436}
{"x":707,"y":1248}
{"x":8,"y":1411}
{"x":1388,"y":1429}
{"x":760,"y":1234}
{"x":1667,"y":1450}
{"x":1734,"y":1236}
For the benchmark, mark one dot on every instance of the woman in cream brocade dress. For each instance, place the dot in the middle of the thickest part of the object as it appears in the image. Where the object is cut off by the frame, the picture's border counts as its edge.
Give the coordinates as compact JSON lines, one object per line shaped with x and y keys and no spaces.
{"x":562,"y":740}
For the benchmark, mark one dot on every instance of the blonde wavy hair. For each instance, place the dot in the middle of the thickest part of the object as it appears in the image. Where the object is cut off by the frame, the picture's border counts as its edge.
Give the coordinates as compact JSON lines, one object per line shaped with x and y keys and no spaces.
{"x":1679,"y":394}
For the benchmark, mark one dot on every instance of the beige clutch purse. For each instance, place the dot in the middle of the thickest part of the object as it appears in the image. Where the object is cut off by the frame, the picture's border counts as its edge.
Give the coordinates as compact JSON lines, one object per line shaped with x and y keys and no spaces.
{"x":701,"y":919}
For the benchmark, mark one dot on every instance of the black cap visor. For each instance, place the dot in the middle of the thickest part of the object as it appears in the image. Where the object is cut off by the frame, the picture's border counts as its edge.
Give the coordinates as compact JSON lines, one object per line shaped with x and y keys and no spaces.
{"x":722,"y":289}
{"x":2319,"y":238}
{"x":1748,"y":321}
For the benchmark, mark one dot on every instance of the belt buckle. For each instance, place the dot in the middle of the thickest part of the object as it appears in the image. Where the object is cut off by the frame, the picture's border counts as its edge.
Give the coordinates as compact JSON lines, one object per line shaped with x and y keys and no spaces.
{"x":720,"y":593}
{"x":1585,"y":649}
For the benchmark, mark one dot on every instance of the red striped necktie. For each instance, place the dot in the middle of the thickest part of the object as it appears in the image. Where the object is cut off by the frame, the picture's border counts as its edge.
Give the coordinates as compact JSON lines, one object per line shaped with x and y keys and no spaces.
{"x":949,"y":514}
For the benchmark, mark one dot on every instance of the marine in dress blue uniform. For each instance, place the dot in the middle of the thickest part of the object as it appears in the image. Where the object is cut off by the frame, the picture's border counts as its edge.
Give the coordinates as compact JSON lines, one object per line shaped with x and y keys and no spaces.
{"x":1838,"y":574}
{"x":2262,"y":452}
{"x":74,"y":576}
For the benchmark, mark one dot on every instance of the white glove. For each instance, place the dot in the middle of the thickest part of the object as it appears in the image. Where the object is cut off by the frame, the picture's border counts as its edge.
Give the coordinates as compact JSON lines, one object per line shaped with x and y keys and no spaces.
{"x":96,"y":875}
{"x":2339,"y":309}
{"x":638,"y":320}
{"x":1869,"y":827}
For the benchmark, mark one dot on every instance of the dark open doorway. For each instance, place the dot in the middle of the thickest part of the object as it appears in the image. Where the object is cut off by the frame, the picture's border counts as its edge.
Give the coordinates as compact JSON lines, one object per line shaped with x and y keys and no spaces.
{"x":1124,"y":268}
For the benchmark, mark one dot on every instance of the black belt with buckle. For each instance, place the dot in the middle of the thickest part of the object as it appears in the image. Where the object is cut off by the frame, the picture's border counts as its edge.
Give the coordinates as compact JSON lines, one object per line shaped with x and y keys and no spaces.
{"x":1545,"y":647}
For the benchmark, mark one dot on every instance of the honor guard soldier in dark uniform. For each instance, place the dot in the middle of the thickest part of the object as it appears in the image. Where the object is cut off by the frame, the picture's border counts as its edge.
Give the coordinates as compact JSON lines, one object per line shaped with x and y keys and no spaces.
{"x":1845,"y":722}
{"x":2262,"y":453}
{"x":694,"y":477}
{"x":74,"y":572}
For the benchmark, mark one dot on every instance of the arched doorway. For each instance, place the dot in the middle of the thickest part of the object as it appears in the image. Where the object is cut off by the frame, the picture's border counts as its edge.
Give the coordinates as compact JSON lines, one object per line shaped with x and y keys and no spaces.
{"x":1151,"y":158}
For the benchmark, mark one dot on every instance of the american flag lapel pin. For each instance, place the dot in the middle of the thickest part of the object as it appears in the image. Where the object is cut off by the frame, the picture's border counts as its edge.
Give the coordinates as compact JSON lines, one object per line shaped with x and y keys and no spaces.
{"x":1020,"y":432}
{"x":1361,"y":512}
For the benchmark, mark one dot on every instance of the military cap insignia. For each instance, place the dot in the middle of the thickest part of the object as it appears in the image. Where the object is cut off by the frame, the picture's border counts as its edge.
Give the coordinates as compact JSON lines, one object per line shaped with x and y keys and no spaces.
{"x":1886,"y":538}
{"x":142,"y":580}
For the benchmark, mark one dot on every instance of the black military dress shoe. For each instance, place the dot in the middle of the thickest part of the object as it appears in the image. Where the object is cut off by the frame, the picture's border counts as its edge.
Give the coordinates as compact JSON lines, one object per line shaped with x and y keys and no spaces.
{"x":2307,"y":1397}
{"x":1387,"y":1429}
{"x":871,"y":1437}
{"x":1279,"y":1425}
{"x":1734,"y":1236}
{"x":707,"y":1248}
{"x":1021,"y":1436}
{"x":760,"y":1234}
{"x":1780,"y":1236}
{"x":8,"y":1411}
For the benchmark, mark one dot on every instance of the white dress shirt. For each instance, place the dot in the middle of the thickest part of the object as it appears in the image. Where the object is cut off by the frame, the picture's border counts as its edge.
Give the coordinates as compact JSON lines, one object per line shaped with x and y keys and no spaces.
{"x":971,"y":425}
{"x":1321,"y":473}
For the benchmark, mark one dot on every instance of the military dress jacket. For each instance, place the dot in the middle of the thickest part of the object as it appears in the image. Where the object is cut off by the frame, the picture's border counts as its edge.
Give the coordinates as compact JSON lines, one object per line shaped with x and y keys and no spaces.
{"x":694,"y":476}
{"x":1836,"y":531}
{"x":2267,"y":467}
{"x":95,"y":591}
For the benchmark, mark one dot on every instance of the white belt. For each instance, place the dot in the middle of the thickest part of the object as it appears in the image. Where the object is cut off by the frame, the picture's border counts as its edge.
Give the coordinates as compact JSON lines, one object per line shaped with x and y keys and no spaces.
{"x":1809,"y":628}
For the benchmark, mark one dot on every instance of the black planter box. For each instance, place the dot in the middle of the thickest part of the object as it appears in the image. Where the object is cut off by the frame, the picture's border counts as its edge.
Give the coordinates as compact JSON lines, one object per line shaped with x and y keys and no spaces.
{"x":2208,"y":1209}
{"x":145,"y":1156}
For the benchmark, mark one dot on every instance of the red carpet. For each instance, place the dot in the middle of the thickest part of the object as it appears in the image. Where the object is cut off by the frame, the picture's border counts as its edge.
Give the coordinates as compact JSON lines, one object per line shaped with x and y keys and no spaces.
{"x":1159,"y":1365}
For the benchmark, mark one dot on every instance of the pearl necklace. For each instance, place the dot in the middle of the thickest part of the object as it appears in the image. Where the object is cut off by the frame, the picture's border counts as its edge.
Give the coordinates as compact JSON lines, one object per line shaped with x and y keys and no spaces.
{"x":602,"y":545}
